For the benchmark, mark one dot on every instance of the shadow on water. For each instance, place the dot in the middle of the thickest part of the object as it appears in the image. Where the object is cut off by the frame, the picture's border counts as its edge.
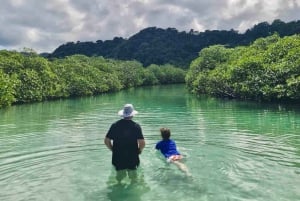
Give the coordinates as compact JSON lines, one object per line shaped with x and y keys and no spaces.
{"x":130,"y":192}
{"x":171,"y":184}
{"x":126,"y":190}
{"x":168,"y":183}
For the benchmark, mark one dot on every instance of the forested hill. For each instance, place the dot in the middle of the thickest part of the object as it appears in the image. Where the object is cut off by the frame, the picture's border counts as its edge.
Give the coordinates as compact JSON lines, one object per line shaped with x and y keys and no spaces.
{"x":160,"y":46}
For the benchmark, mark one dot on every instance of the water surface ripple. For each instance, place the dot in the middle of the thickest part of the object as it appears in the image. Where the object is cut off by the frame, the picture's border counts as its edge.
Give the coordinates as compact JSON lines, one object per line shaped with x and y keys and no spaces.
{"x":234,"y":150}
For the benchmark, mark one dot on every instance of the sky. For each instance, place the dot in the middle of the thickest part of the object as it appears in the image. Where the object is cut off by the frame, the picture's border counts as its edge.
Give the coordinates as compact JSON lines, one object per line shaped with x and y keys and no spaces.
{"x":43,"y":25}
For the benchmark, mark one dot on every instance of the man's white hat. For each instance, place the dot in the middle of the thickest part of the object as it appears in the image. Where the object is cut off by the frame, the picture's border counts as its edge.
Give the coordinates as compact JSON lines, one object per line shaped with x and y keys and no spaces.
{"x":127,"y":111}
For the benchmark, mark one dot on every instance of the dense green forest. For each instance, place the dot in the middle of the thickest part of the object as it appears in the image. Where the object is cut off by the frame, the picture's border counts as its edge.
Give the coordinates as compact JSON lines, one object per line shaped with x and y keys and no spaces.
{"x":161,"y":46}
{"x":238,"y":66}
{"x":29,"y":77}
{"x":267,"y":70}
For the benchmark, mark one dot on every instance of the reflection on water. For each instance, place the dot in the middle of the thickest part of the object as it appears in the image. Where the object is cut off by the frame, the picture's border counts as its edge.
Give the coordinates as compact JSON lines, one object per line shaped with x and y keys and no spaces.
{"x":234,"y":150}
{"x":127,"y":190}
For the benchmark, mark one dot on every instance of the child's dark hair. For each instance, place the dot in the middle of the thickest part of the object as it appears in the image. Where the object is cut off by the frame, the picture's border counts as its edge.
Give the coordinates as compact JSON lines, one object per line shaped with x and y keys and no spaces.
{"x":165,"y":133}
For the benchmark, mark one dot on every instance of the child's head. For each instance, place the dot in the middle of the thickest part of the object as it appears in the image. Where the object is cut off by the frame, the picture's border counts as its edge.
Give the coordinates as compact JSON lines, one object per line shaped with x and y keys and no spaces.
{"x":165,"y":133}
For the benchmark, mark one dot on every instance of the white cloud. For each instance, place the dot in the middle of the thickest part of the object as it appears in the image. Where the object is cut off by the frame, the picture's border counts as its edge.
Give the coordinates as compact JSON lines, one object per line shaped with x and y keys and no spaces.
{"x":44,"y":25}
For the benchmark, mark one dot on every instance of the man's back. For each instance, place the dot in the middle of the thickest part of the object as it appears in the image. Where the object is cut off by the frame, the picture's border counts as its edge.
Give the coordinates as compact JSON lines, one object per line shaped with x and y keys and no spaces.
{"x":125,"y":134}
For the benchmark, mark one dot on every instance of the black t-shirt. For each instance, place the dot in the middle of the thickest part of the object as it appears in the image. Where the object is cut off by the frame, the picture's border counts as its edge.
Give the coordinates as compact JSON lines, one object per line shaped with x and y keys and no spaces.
{"x":125,"y":134}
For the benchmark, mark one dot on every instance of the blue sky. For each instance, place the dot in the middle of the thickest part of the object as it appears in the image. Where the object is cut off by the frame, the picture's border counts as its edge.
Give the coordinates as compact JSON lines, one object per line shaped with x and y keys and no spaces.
{"x":43,"y":25}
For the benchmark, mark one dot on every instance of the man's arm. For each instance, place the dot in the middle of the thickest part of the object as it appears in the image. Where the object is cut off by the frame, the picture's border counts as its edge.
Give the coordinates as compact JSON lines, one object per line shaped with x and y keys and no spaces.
{"x":108,"y":143}
{"x":141,"y":144}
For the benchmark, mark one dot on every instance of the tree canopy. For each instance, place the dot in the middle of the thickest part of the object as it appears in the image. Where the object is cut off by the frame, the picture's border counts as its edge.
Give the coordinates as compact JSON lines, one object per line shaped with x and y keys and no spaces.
{"x":168,"y":46}
{"x":262,"y":64}
{"x":29,"y":77}
{"x":267,"y":70}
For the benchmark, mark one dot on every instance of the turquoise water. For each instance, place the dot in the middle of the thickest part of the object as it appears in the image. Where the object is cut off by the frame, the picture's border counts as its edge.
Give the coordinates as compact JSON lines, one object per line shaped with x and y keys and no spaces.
{"x":234,"y":150}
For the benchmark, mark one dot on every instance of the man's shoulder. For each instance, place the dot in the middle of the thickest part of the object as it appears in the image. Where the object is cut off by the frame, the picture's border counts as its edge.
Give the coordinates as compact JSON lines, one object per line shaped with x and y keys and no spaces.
{"x":133,"y":123}
{"x":118,"y":122}
{"x":115,"y":124}
{"x":125,"y":122}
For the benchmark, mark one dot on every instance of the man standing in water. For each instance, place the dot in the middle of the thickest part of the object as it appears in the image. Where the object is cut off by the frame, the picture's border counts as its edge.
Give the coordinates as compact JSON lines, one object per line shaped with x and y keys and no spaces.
{"x":126,"y":141}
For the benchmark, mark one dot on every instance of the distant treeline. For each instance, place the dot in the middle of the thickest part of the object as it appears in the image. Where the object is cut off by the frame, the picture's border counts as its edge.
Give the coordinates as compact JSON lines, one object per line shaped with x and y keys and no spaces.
{"x":28,"y":77}
{"x":267,"y":70}
{"x":168,"y":46}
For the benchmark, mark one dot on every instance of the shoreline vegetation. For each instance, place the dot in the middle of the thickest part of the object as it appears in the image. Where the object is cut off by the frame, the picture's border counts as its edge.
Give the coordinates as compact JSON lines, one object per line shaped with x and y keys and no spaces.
{"x":28,"y":77}
{"x":266,"y":70}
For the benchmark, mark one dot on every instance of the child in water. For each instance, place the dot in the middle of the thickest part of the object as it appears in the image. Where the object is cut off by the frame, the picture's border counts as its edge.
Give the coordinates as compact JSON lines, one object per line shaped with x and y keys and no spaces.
{"x":168,"y":148}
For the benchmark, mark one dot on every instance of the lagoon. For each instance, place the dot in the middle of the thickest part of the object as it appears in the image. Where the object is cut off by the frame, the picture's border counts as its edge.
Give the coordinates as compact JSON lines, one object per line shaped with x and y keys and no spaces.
{"x":235,"y":150}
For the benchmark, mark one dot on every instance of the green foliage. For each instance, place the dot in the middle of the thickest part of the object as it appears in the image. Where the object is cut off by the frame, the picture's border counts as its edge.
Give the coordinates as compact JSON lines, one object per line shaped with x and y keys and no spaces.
{"x":166,"y":74}
{"x":26,"y":77}
{"x":6,"y":90}
{"x":158,"y":46}
{"x":11,"y":62}
{"x":209,"y":58}
{"x":130,"y":73}
{"x":149,"y":77}
{"x":267,"y":70}
{"x":29,"y":88}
